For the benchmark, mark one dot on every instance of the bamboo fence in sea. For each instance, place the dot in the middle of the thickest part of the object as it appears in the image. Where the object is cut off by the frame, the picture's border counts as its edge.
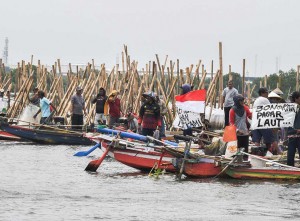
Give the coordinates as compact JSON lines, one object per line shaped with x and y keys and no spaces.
{"x":164,"y":78}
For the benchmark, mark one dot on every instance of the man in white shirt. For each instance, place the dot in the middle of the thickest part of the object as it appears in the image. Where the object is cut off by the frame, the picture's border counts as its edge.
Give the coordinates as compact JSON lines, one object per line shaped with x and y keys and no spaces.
{"x":267,"y":134}
{"x":228,"y":94}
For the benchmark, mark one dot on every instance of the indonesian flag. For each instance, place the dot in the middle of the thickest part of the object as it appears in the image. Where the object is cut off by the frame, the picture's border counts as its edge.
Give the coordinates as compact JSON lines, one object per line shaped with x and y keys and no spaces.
{"x":193,"y":101}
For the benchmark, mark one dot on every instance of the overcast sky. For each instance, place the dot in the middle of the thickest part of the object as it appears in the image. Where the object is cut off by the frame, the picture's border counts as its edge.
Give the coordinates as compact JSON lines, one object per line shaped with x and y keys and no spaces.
{"x":77,"y":31}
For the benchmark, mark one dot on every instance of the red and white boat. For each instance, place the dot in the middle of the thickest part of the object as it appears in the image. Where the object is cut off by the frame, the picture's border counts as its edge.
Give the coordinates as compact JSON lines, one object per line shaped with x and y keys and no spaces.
{"x":141,"y":156}
{"x":135,"y":154}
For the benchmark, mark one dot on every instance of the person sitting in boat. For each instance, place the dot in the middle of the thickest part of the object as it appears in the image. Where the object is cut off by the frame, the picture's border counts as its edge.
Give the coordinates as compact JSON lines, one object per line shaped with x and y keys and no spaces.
{"x":132,"y":122}
{"x":34,"y":99}
{"x":294,"y":133}
{"x":100,"y":101}
{"x":44,"y":108}
{"x":114,"y":112}
{"x":238,"y":115}
{"x":149,"y":115}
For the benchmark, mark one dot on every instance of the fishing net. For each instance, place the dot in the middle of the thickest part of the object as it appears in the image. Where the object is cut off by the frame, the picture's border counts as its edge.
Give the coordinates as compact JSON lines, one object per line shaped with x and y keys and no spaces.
{"x":26,"y":116}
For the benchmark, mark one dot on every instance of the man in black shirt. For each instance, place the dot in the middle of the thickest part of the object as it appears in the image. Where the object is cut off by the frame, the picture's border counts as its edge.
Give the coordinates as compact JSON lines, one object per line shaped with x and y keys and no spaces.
{"x":100,"y":100}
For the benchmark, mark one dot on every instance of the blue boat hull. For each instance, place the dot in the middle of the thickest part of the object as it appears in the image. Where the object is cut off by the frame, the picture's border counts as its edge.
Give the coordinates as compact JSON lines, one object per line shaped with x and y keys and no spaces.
{"x":47,"y":136}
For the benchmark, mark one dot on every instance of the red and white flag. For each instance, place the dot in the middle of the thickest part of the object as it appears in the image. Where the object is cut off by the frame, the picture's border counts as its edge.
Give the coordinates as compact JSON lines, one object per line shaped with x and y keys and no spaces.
{"x":193,"y":101}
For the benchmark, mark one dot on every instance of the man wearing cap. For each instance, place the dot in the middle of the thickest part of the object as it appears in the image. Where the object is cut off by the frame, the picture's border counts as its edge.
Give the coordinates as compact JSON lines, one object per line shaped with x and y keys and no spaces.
{"x":114,"y":104}
{"x":149,"y":115}
{"x":267,"y":134}
{"x":228,"y":93}
{"x":77,"y":109}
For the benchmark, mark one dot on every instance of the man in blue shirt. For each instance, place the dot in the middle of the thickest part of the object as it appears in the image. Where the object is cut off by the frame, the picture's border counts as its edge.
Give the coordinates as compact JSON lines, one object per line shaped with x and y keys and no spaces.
{"x":44,"y":108}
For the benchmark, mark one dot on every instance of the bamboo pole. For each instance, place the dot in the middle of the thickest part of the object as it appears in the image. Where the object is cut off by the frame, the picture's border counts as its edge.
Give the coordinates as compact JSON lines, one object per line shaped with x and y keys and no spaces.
{"x":0,"y":71}
{"x":221,"y":76}
{"x":230,"y":74}
{"x":212,"y":69}
{"x":202,"y":83}
{"x":297,"y":78}
{"x":243,"y":78}
{"x":265,"y":81}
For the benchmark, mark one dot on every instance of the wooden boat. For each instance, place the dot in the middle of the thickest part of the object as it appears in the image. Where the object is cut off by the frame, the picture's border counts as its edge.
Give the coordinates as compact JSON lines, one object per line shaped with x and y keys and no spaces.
{"x":201,"y":167}
{"x":140,"y":156}
{"x":240,"y":169}
{"x":135,"y":154}
{"x":244,"y":172}
{"x":46,"y":136}
{"x":7,"y":136}
{"x":197,"y":166}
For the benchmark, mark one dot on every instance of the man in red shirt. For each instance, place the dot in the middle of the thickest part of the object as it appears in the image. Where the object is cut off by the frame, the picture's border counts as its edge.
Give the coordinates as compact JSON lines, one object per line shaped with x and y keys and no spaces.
{"x":114,"y":108}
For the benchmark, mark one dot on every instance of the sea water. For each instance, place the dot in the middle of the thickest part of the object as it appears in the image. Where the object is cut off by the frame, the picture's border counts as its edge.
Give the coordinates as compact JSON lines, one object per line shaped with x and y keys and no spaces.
{"x":43,"y":182}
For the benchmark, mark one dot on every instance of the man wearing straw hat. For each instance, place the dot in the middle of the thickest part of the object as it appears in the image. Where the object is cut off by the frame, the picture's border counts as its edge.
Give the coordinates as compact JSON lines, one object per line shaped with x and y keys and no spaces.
{"x":77,"y":109}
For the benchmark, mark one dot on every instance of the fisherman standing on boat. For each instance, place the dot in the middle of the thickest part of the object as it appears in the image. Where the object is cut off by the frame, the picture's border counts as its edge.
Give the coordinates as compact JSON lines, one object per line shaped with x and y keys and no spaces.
{"x":34,"y":99}
{"x":275,"y":98}
{"x":114,"y":108}
{"x":44,"y":108}
{"x":100,"y":101}
{"x":294,"y":133}
{"x":238,"y":116}
{"x":228,"y":93}
{"x":163,"y":112}
{"x":4,"y":101}
{"x":266,"y":134}
{"x":77,"y":109}
{"x":149,"y":115}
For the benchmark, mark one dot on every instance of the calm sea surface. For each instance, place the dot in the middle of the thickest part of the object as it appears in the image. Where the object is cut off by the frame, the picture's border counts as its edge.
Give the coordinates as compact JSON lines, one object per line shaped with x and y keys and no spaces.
{"x":47,"y":183}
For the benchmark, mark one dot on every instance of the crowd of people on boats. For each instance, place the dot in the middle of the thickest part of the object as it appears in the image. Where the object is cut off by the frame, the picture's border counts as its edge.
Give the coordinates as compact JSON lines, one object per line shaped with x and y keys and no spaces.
{"x":149,"y":121}
{"x":237,"y":113}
